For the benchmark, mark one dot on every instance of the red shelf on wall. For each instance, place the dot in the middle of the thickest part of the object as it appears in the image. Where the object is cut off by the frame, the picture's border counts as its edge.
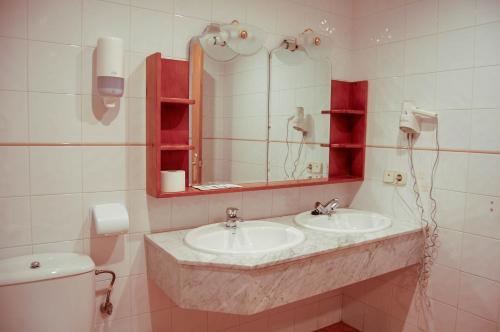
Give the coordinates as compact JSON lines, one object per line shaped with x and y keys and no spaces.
{"x":343,"y":146}
{"x":177,"y":101}
{"x":176,"y":147}
{"x":167,"y":119}
{"x":347,"y":112}
{"x":341,"y":112}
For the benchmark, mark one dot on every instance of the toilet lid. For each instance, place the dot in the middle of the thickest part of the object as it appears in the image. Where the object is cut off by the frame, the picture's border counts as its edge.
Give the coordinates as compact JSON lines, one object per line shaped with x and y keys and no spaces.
{"x":36,"y":267}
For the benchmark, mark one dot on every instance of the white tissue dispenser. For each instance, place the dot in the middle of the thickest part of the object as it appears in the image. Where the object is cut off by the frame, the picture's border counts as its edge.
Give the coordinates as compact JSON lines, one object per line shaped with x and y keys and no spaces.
{"x":110,"y":219}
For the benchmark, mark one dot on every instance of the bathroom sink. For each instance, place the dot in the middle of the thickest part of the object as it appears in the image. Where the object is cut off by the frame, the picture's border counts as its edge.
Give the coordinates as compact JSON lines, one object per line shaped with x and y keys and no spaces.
{"x":344,"y":221}
{"x":250,"y":237}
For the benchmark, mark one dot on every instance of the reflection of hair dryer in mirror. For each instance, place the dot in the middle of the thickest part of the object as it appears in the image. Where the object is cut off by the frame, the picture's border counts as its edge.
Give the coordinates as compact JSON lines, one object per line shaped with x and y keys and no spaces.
{"x":409,"y":122}
{"x":298,"y":120}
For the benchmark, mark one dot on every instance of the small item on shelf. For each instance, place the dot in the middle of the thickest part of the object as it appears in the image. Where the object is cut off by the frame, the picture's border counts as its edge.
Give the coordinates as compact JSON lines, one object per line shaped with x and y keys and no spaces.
{"x":173,"y":181}
{"x":216,"y":186}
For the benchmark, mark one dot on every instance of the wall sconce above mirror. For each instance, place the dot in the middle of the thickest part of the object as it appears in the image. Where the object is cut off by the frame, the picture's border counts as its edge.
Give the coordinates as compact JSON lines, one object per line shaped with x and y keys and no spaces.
{"x":223,"y":42}
{"x":252,"y":118}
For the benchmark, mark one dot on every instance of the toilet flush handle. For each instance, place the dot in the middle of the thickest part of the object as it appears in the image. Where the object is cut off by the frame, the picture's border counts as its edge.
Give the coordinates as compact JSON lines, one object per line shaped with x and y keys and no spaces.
{"x":107,"y":306}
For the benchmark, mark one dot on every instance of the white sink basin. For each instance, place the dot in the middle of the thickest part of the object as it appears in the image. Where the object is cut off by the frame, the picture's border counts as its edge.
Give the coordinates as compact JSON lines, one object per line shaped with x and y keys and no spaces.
{"x":344,"y":221}
{"x":251,"y":237}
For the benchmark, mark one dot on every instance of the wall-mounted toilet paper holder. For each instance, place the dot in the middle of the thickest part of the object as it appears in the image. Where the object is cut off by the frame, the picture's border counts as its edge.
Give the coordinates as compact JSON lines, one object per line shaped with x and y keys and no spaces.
{"x":107,"y":306}
{"x":110,"y":219}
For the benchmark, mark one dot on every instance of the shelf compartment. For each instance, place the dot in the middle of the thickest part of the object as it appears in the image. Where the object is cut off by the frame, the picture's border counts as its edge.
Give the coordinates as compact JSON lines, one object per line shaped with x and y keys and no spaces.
{"x":343,"y":112}
{"x":175,"y":160}
{"x":167,"y":119}
{"x":174,"y":126}
{"x":349,"y":95}
{"x":183,"y":101}
{"x":346,"y":178}
{"x":174,"y":79}
{"x":346,"y":163}
{"x":348,"y":105}
{"x":347,"y":130}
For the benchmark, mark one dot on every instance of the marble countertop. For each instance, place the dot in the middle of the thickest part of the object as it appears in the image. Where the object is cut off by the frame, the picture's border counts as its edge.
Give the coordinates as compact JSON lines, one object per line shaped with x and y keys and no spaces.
{"x":316,"y":243}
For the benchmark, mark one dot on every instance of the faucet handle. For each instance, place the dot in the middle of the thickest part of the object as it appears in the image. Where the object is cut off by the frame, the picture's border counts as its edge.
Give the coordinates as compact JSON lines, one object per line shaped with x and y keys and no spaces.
{"x":232,"y":212}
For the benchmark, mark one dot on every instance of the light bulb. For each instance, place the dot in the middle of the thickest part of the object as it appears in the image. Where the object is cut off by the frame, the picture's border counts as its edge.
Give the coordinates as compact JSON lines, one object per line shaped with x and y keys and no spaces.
{"x":316,"y":46}
{"x":289,"y":53}
{"x":243,"y":38}
{"x":225,"y":42}
{"x":213,"y":42}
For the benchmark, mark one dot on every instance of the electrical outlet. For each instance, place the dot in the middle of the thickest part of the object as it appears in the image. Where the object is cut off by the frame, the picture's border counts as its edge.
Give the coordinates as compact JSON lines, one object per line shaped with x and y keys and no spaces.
{"x":315,"y":167}
{"x":399,"y":178}
{"x":388,"y":176}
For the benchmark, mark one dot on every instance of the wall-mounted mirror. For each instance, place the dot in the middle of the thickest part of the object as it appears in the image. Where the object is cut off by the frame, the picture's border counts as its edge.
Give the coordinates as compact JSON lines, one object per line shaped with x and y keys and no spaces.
{"x":235,"y":119}
{"x":261,"y":117}
{"x":250,"y":117}
{"x":299,"y":91}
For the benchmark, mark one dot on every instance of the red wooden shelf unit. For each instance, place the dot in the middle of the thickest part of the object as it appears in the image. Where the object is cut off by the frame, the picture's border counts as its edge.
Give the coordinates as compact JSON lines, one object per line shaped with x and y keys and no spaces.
{"x":167,"y":119}
{"x":347,"y":112}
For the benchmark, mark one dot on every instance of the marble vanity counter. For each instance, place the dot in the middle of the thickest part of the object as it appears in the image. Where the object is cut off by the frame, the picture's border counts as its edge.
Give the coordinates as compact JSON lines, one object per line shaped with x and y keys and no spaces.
{"x":316,"y":243}
{"x":248,"y":284}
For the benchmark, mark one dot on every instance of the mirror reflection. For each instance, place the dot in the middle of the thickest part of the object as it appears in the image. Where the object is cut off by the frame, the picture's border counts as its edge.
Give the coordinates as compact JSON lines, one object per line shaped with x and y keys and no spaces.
{"x":261,"y":111}
{"x":235,"y":119}
{"x":299,"y":91}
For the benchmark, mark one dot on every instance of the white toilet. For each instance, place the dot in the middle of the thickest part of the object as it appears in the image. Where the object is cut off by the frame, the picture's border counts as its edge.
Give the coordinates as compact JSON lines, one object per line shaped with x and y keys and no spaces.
{"x":47,"y":292}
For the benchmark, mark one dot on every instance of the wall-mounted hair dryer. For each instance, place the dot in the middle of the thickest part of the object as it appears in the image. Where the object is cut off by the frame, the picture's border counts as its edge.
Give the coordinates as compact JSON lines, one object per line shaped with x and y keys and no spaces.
{"x":409,"y":121}
{"x":298,"y":120}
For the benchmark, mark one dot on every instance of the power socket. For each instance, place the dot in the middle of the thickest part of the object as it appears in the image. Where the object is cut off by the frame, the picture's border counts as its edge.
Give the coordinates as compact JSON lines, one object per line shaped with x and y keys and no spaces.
{"x":315,"y":167}
{"x":397,"y":178}
{"x":388,"y":176}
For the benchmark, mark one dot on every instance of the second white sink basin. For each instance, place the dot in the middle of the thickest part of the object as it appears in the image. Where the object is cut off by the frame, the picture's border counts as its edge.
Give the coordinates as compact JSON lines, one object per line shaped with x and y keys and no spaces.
{"x":344,"y":221}
{"x":250,"y":237}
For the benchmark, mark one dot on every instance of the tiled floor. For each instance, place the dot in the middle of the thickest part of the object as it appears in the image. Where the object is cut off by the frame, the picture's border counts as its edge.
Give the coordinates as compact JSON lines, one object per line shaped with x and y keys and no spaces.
{"x":339,"y":327}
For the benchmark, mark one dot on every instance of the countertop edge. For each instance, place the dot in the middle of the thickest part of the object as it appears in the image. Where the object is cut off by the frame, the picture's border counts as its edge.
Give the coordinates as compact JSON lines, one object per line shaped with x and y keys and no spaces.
{"x":193,"y":264}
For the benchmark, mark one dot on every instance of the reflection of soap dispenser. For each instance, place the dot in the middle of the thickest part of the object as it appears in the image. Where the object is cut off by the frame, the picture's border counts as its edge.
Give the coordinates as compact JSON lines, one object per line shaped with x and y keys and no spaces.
{"x":109,"y":70}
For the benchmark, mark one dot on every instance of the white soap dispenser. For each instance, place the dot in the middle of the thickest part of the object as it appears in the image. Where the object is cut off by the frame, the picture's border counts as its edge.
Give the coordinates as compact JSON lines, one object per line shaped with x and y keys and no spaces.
{"x":109,"y":70}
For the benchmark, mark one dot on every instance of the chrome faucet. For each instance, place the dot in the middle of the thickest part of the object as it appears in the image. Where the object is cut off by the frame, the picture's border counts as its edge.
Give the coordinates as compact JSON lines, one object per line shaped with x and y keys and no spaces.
{"x":232,"y":219}
{"x":329,"y":208}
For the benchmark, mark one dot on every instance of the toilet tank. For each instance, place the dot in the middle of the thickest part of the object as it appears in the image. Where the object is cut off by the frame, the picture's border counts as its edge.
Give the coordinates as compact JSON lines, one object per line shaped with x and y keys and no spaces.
{"x":58,"y":295}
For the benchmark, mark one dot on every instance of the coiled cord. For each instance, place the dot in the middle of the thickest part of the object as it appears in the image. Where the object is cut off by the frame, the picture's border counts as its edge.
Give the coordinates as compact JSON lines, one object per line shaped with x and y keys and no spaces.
{"x":297,"y":160}
{"x":299,"y":153}
{"x":429,"y":227}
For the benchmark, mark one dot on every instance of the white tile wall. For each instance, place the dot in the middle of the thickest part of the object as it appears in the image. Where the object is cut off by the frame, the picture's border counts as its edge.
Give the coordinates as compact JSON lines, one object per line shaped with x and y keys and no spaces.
{"x":14,"y":114}
{"x":47,"y":24}
{"x":13,"y":64}
{"x":450,"y":66}
{"x":47,"y":92}
{"x":54,"y":67}
{"x":62,"y":124}
{"x":55,"y":170}
{"x":443,"y":54}
{"x":454,"y":14}
{"x":15,"y":169}
{"x":13,"y":18}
